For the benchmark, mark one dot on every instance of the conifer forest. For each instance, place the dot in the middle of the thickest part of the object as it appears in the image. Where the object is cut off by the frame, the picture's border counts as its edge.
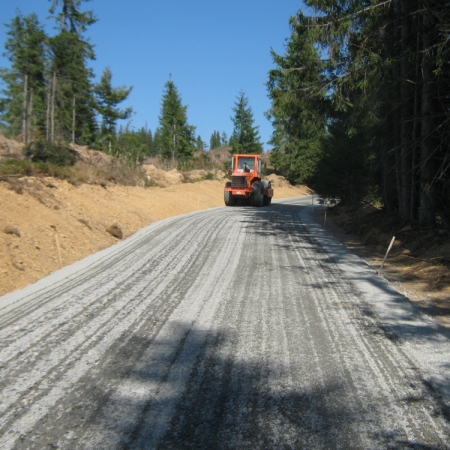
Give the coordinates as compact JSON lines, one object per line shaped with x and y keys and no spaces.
{"x":360,"y":104}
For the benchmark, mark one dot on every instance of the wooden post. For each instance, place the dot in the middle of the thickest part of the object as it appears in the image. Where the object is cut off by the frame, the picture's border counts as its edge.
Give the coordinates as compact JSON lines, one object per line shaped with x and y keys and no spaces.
{"x":59,"y":251}
{"x":387,"y":253}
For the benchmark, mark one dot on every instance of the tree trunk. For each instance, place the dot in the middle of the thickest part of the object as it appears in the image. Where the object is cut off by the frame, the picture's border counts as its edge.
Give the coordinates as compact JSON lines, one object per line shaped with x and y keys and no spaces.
{"x":406,"y":112}
{"x":173,"y":144}
{"x":397,"y":102}
{"x":52,"y":110}
{"x":29,"y":115}
{"x":427,"y":208}
{"x":47,"y":113}
{"x":73,"y":119}
{"x":416,"y":136}
{"x":24,"y":109}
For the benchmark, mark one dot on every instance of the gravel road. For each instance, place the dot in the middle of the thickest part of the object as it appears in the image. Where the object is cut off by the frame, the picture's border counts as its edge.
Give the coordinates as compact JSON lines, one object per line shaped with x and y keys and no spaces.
{"x":228,"y":328}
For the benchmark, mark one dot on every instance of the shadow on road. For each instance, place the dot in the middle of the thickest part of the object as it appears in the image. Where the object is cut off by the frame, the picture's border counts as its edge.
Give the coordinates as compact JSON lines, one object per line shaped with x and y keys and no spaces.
{"x":225,"y":402}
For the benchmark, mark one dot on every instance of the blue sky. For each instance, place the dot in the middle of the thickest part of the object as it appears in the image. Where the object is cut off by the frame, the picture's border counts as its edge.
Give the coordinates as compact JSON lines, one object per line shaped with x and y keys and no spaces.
{"x":212,"y":49}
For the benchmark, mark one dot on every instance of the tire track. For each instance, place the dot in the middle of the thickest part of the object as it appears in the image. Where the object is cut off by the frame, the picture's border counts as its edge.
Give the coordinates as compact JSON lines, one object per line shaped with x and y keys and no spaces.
{"x":85,"y":347}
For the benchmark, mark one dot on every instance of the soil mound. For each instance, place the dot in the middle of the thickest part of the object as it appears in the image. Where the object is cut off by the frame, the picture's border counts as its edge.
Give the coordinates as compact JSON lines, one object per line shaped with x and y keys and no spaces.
{"x":278,"y":181}
{"x":10,"y":148}
{"x":91,"y":156}
{"x":162,"y":178}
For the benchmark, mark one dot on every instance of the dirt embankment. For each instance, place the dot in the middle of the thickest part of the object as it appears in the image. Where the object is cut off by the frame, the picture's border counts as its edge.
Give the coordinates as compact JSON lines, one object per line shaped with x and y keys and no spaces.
{"x":47,"y":223}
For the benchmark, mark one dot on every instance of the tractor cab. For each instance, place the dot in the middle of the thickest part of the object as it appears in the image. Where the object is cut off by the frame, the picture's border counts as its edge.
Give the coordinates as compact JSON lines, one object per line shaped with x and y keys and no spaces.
{"x":243,"y":164}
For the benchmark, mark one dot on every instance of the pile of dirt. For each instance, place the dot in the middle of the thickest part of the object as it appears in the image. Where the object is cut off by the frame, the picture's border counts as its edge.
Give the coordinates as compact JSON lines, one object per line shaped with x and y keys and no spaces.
{"x":10,"y":148}
{"x":278,"y":181}
{"x":198,"y":175}
{"x":94,"y":157}
{"x":162,"y":178}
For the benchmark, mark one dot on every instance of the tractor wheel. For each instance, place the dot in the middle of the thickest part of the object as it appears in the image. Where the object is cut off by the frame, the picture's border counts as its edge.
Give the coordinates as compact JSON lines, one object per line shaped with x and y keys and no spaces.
{"x":267,"y":200}
{"x":228,"y":196}
{"x":257,"y":195}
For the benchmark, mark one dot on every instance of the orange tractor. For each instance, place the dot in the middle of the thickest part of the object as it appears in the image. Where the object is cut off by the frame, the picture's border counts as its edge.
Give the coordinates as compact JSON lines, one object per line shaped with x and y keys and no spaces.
{"x":246,"y":182}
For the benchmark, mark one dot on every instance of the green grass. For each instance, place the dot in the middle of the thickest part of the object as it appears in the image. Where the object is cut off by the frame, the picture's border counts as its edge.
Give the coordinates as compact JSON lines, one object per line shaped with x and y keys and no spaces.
{"x":28,"y":168}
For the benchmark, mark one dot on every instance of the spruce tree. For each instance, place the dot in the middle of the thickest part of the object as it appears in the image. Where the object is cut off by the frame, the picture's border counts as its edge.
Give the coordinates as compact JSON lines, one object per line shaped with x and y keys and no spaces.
{"x":107,"y":99}
{"x":214,"y":141}
{"x":245,"y":138}
{"x":224,"y":139}
{"x":70,"y":104}
{"x":298,"y":105}
{"x":146,"y":137}
{"x":157,"y":144}
{"x":22,"y":109}
{"x":70,"y":17}
{"x":199,"y":144}
{"x":177,"y":136}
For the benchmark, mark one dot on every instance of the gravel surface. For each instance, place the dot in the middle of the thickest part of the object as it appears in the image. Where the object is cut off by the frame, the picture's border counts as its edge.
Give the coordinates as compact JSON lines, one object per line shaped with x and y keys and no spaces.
{"x":228,"y":328}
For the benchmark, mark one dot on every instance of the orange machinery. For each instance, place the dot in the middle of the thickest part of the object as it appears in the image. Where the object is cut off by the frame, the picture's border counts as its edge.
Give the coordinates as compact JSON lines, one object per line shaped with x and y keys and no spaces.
{"x":246,"y":182}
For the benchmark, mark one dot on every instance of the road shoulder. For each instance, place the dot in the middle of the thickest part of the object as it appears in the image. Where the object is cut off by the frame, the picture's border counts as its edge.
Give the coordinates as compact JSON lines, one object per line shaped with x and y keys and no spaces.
{"x":402,"y":321}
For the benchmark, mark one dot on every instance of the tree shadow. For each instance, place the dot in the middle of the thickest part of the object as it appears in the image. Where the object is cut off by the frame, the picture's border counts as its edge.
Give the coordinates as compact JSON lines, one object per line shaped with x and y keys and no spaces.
{"x":202,"y":395}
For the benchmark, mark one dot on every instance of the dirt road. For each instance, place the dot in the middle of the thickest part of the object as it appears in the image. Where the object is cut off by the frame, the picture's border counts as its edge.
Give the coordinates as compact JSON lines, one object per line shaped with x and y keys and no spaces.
{"x":226,"y":328}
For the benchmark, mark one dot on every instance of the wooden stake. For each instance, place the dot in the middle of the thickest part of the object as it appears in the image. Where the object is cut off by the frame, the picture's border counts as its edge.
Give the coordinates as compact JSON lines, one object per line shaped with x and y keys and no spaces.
{"x":386,"y":255}
{"x":59,"y":251}
{"x":325,"y":220}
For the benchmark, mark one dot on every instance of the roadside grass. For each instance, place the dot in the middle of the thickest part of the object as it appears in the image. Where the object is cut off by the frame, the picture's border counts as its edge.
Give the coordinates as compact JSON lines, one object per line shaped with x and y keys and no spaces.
{"x":28,"y":168}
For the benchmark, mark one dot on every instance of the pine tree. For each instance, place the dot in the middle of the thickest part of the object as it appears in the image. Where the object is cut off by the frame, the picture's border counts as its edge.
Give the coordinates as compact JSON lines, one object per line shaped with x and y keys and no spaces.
{"x":146,"y":137}
{"x":70,"y":100}
{"x":245,"y":138}
{"x":157,"y":145}
{"x":178,"y":137}
{"x":107,"y":99}
{"x":70,"y":17}
{"x":214,"y":141}
{"x":199,"y":144}
{"x":130,"y":147}
{"x":70,"y":104}
{"x":298,"y":104}
{"x":224,"y":139}
{"x":23,"y":108}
